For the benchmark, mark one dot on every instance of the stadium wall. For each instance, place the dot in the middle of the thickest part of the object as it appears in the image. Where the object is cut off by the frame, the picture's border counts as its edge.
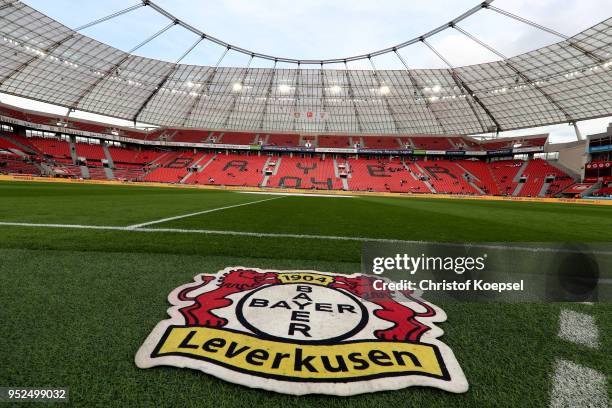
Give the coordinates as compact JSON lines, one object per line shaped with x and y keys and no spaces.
{"x":572,"y":156}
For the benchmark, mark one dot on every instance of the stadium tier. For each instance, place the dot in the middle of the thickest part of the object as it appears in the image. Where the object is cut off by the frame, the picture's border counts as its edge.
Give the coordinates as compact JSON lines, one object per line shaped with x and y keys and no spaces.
{"x":91,"y":152}
{"x":282,"y":140}
{"x":13,"y":165}
{"x":173,"y":167}
{"x":438,"y":164}
{"x":408,"y":164}
{"x":229,"y":170}
{"x":5,"y":145}
{"x":307,"y":173}
{"x":603,"y":192}
{"x":333,"y":141}
{"x":380,"y":142}
{"x":50,"y":147}
{"x":434,"y":143}
{"x":385,"y":175}
{"x":132,"y":157}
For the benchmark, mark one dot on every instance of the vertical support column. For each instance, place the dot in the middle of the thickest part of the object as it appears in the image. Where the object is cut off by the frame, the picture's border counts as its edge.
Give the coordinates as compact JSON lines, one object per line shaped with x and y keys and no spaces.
{"x":579,"y":135}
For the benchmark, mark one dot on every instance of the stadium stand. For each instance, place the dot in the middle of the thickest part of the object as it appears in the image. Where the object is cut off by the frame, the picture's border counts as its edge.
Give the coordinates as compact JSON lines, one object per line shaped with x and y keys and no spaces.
{"x":283,"y":140}
{"x":93,"y":152}
{"x":6,"y":144}
{"x":123,"y":156}
{"x":66,"y":171}
{"x":431,"y":143}
{"x":237,"y":138}
{"x":173,"y":167}
{"x":504,"y":172}
{"x":51,"y":147}
{"x":504,"y":144}
{"x":135,"y":162}
{"x":537,"y":173}
{"x":603,"y":192}
{"x":374,"y":142}
{"x":14,"y":165}
{"x":481,"y":175}
{"x":384,"y":175}
{"x":231,"y":170}
{"x":578,"y":189}
{"x":535,"y":177}
{"x":97,"y":173}
{"x":129,"y":173}
{"x":190,"y":136}
{"x":446,"y":177}
{"x":458,"y":143}
{"x":307,"y":173}
{"x":333,"y":141}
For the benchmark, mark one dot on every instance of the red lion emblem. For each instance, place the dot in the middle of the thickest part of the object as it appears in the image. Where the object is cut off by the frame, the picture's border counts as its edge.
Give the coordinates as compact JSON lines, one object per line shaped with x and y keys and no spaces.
{"x":239,"y":280}
{"x":405,"y":326}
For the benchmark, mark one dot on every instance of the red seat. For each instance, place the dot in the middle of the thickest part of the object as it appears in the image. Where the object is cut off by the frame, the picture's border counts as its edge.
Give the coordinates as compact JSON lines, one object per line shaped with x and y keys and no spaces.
{"x":384,"y":175}
{"x":306,"y":173}
{"x":334,"y":141}
{"x":232,"y":170}
{"x":283,"y":140}
{"x":446,"y":177}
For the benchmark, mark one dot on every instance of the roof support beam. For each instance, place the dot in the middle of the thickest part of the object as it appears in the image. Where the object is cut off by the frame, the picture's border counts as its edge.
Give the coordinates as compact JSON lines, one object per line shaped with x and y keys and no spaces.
{"x":324,"y":97}
{"x":579,"y":135}
{"x":268,"y":95}
{"x":461,"y":84}
{"x":572,"y":44}
{"x":162,"y":83}
{"x":238,"y":92}
{"x":206,"y":90}
{"x":468,"y":13}
{"x":114,"y":69}
{"x":390,"y":111}
{"x":418,"y":90}
{"x":111,"y":16}
{"x":56,"y":45}
{"x":351,"y":93}
{"x":296,"y":96}
{"x":511,"y":66}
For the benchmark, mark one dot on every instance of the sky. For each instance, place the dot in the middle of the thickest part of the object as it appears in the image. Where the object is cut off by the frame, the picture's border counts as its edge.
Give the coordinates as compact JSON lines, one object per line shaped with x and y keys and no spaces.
{"x":318,"y":29}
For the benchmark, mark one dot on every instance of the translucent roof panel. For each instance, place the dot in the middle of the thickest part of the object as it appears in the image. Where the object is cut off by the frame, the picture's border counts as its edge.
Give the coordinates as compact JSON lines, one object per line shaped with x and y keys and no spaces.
{"x":568,"y":81}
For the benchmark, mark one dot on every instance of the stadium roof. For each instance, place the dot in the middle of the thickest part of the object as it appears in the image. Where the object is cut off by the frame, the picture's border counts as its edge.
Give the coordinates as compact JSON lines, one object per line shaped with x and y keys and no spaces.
{"x":569,"y":81}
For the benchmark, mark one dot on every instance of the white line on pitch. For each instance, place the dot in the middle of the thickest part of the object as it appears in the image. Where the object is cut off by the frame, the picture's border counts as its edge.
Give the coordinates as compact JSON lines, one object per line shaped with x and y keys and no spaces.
{"x":579,"y":328}
{"x":178,"y":217}
{"x":286,"y":235}
{"x":577,"y":386}
{"x":203,"y":231}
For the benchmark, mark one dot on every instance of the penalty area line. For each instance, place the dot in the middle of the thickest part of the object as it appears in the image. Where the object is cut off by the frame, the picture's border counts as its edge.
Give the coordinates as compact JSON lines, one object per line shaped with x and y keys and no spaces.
{"x":178,"y":217}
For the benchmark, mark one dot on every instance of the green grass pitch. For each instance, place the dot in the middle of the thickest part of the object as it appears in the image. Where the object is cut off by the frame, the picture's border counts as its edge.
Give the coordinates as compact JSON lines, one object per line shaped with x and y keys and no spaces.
{"x":78,"y":303}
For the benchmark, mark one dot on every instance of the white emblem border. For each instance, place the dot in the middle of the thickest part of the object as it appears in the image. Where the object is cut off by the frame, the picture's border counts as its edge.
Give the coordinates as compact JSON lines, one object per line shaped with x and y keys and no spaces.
{"x":457,"y":383}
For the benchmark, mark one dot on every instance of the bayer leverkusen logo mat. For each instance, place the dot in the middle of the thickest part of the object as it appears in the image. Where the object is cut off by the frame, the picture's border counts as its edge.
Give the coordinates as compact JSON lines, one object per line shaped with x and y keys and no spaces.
{"x":303,"y":332}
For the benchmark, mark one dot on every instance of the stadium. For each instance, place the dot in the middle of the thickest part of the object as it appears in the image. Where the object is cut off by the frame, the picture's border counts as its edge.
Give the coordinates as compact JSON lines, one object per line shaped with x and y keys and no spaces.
{"x":187,"y":233}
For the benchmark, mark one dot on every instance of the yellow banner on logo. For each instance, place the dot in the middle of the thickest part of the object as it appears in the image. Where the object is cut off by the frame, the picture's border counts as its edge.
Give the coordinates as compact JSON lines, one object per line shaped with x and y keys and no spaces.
{"x":306,"y":277}
{"x":351,"y":360}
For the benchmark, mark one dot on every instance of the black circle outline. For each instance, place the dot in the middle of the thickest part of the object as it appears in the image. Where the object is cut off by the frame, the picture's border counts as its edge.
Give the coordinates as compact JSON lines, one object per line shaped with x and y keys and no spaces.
{"x":362,"y":323}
